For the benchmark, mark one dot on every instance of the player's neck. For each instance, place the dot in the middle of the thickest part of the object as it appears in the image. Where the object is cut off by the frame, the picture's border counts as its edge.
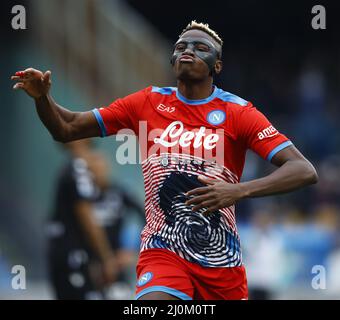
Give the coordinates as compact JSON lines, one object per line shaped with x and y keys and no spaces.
{"x":195,"y":90}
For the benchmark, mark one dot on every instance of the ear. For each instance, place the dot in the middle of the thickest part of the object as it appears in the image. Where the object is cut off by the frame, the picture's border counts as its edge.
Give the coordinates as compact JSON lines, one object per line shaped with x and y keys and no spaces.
{"x":218,"y":66}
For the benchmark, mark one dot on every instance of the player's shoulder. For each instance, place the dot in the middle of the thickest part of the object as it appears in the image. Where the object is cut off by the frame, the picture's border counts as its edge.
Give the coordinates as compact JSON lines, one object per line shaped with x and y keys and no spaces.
{"x":166,"y":91}
{"x":219,"y":93}
{"x":155,"y":90}
{"x":231,"y":98}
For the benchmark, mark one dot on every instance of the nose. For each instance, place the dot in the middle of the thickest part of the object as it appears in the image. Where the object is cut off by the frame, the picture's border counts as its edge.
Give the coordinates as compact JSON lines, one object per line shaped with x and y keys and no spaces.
{"x":189,"y":50}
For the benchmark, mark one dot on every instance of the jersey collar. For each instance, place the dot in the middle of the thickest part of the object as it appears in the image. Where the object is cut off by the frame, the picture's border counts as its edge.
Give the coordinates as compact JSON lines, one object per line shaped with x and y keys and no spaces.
{"x":197,"y":102}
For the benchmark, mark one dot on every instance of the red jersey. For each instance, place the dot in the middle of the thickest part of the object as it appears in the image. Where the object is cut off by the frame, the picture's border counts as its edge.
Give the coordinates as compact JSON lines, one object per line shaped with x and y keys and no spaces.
{"x":181,"y":139}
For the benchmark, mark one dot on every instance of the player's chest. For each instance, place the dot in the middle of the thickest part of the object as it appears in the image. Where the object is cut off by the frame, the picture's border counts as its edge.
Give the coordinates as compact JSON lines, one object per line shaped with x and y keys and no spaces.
{"x":173,"y":124}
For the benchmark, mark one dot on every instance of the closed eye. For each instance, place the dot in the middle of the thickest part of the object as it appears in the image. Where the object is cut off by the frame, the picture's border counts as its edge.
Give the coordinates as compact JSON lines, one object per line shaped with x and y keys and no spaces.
{"x":180,"y":47}
{"x":202,"y":47}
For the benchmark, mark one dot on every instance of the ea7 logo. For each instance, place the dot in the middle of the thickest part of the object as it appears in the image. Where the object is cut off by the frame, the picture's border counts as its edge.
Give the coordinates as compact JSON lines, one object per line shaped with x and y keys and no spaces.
{"x":162,"y":107}
{"x":267,"y":133}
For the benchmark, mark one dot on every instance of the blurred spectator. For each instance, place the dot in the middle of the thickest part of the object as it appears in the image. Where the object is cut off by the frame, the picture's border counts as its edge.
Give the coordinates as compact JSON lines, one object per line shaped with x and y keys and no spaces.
{"x":311,"y":113}
{"x":85,"y":254}
{"x":263,"y":253}
{"x":333,"y":267}
{"x":328,"y":191}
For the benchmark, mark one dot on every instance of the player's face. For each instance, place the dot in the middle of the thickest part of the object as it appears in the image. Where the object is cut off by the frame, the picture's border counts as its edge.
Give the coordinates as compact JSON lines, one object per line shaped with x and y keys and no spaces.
{"x":195,"y":56}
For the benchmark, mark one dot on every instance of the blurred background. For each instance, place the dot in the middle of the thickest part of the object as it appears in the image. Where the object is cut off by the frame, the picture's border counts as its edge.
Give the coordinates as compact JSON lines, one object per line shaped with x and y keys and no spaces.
{"x":99,"y":50}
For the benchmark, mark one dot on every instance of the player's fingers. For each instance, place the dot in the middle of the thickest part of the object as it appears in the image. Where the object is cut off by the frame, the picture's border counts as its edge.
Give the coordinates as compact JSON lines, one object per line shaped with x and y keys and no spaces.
{"x":197,"y":199}
{"x":218,"y":205}
{"x":20,"y":77}
{"x":206,"y":180}
{"x":32,"y":74}
{"x":198,"y":191}
{"x":19,"y":85}
{"x":26,"y":73}
{"x":19,"y":73}
{"x":30,"y":71}
{"x":47,"y":76}
{"x":204,"y":204}
{"x":211,"y":209}
{"x":198,"y":207}
{"x":23,"y":80}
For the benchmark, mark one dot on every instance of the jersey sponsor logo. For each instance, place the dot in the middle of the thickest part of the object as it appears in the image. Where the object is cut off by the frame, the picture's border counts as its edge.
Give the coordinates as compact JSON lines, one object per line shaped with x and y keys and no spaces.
{"x":267,"y":133}
{"x":184,"y":164}
{"x":164,"y":108}
{"x":175,"y":131}
{"x":144,"y":279}
{"x":216,"y":117}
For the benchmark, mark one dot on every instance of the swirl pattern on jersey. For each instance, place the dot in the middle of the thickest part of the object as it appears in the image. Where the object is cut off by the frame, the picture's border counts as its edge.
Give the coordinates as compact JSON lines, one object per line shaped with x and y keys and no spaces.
{"x":205,"y":239}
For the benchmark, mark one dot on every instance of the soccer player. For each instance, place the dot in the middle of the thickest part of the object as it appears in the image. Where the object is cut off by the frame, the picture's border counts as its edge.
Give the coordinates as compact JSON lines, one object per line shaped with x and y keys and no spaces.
{"x":85,"y":251}
{"x":192,"y":163}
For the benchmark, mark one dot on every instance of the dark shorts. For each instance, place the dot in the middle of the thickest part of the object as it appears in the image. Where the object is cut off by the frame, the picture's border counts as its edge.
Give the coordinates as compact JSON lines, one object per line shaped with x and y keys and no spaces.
{"x":69,"y":274}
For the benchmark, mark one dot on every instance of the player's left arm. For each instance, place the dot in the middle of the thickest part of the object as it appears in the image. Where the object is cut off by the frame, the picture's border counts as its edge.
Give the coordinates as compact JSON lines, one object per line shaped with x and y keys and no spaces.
{"x":294,"y":171}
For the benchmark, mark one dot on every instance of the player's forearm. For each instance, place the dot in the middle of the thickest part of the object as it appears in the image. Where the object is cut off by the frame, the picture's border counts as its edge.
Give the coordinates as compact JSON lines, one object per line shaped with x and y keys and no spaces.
{"x":55,"y":118}
{"x":292,"y":175}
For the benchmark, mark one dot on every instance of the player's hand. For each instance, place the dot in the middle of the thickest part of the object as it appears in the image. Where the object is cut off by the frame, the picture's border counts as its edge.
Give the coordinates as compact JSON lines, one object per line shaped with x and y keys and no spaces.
{"x":34,"y":82}
{"x":215,"y":195}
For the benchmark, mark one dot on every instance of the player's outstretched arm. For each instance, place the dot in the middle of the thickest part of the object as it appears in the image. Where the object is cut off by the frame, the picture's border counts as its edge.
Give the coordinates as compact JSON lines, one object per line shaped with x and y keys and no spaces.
{"x":64,"y":125}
